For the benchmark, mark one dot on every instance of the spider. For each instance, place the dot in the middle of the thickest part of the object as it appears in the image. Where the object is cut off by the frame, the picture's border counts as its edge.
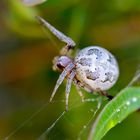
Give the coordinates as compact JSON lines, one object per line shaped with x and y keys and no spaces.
{"x":94,"y":68}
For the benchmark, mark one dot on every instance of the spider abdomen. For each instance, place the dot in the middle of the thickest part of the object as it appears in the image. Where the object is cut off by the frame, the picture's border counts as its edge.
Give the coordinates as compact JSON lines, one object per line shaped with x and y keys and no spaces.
{"x":96,"y":67}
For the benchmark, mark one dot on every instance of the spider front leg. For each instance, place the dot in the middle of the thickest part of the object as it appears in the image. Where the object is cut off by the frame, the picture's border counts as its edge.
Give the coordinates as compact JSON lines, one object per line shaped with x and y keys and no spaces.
{"x":68,"y":87}
{"x":70,"y":44}
{"x":61,"y":78}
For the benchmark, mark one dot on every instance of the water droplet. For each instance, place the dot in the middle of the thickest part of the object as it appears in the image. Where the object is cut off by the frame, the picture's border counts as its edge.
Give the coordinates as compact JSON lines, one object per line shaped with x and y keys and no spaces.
{"x":118,"y":110}
{"x":127,"y":103}
{"x":134,"y":99}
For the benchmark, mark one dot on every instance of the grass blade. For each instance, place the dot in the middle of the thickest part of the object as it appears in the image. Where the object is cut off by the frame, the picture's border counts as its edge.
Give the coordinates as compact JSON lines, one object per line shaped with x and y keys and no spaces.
{"x":126,"y":102}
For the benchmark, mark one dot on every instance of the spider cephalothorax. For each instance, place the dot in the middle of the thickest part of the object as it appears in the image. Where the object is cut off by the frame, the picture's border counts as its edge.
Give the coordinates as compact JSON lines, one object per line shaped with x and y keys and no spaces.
{"x":93,"y":68}
{"x":60,"y":62}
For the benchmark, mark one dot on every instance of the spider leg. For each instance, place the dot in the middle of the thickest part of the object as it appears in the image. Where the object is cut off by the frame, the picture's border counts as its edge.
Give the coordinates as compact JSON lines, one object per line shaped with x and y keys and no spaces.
{"x":104,"y":93}
{"x":70,"y":43}
{"x":61,"y":78}
{"x":68,"y":87}
{"x":79,"y":91}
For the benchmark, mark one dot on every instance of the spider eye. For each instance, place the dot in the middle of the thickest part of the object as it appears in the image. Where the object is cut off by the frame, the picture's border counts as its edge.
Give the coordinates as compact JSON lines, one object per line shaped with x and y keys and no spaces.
{"x":60,"y":66}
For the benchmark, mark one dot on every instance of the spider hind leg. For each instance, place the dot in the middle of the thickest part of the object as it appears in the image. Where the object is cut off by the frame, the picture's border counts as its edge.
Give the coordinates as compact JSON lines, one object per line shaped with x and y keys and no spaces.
{"x":104,"y":93}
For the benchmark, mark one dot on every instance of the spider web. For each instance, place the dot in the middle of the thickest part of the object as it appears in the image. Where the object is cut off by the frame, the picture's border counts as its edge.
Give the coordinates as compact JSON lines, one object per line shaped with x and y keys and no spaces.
{"x":76,"y":103}
{"x":45,"y":134}
{"x":136,"y":79}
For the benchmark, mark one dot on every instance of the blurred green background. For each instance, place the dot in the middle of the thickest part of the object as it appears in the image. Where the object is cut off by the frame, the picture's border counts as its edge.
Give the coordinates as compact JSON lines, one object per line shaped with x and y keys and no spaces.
{"x":26,"y":75}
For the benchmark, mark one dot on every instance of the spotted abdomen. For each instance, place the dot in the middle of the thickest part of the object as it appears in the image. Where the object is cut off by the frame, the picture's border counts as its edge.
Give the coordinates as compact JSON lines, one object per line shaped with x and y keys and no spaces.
{"x":96,"y":67}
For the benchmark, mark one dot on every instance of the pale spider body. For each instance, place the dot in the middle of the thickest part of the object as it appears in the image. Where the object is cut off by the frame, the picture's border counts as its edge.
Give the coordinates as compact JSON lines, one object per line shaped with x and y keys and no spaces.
{"x":93,"y":68}
{"x":96,"y":68}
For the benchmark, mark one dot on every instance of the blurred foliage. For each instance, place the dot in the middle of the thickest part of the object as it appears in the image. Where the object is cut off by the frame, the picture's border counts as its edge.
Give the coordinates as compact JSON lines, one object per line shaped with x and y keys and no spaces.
{"x":26,"y":53}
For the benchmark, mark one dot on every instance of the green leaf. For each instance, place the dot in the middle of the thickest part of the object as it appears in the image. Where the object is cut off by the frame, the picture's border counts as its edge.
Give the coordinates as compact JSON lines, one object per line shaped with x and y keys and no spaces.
{"x":126,"y":102}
